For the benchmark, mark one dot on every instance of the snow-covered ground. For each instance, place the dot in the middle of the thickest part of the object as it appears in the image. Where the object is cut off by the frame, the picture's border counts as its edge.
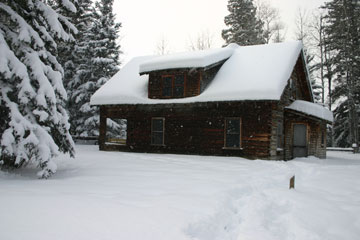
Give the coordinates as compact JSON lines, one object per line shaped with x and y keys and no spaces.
{"x":115,"y":195}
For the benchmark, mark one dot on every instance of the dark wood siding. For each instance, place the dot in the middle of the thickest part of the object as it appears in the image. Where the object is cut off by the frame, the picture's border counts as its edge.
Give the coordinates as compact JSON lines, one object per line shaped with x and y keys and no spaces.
{"x":196,"y":128}
{"x":196,"y":80}
{"x":192,"y":81}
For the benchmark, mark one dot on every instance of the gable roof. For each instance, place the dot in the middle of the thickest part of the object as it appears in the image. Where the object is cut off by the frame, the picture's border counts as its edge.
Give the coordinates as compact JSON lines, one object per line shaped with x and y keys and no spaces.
{"x":257,"y":72}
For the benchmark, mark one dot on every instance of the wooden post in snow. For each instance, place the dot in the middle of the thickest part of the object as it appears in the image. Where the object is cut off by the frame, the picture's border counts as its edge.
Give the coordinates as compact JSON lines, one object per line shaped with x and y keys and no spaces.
{"x":292,"y":182}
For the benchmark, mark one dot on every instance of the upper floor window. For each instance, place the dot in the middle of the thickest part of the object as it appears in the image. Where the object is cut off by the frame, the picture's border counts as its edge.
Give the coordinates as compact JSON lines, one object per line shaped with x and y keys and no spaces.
{"x":173,"y":85}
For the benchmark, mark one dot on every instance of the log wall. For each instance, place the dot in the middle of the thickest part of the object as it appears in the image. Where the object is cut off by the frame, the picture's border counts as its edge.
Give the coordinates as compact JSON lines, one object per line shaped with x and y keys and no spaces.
{"x":196,"y":80}
{"x":196,"y":128}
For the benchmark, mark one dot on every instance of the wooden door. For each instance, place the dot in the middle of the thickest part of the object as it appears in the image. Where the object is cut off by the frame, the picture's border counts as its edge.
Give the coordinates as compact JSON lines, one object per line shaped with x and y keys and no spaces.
{"x":299,"y":141}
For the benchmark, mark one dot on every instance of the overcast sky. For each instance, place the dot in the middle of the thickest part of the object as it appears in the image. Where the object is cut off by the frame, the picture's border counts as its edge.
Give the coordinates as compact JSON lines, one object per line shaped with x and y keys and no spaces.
{"x":146,"y":22}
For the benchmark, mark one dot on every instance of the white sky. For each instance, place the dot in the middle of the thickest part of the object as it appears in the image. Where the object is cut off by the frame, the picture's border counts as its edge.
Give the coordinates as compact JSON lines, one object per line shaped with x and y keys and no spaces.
{"x":146,"y":22}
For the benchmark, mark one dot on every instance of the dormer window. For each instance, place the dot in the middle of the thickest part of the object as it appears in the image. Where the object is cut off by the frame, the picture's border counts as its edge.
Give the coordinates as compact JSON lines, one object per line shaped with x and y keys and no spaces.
{"x":173,"y":86}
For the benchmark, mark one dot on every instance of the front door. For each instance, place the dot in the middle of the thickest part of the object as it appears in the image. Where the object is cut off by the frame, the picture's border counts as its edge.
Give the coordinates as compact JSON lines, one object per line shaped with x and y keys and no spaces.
{"x":299,"y":141}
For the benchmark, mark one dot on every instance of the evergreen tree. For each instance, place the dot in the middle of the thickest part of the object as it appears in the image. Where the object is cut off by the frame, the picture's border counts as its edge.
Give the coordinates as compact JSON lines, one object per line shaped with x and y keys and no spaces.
{"x":96,"y":61}
{"x":243,"y":26}
{"x":105,"y":62}
{"x":76,"y":59}
{"x":106,"y":32}
{"x":34,"y":124}
{"x":343,"y":39}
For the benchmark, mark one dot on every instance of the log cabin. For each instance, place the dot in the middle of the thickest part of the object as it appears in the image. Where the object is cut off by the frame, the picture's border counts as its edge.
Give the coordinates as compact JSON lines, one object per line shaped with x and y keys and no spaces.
{"x":248,"y":101}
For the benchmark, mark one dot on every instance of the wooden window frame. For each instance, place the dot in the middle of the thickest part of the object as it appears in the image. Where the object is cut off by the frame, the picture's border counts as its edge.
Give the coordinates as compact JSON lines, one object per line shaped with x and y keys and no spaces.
{"x":163,"y":131}
{"x":162,"y":85}
{"x":293,"y":87}
{"x":240,"y":133}
{"x":172,"y":76}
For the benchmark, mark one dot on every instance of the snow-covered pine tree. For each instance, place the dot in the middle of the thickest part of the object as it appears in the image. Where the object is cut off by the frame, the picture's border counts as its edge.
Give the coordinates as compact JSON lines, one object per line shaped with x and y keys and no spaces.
{"x":34,"y":124}
{"x":75,"y":58}
{"x":106,"y":30}
{"x":243,"y":26}
{"x":343,"y":38}
{"x":66,"y":49}
{"x":101,"y":65}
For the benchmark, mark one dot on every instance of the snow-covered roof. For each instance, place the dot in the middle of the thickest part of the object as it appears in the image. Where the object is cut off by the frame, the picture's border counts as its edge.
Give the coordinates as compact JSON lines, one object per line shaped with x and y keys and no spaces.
{"x":312,"y":109}
{"x":257,"y":72}
{"x":197,"y":59}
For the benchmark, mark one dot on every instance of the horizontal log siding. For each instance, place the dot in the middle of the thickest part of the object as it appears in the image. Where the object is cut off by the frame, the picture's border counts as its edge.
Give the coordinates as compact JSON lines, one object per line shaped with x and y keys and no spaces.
{"x":196,"y":128}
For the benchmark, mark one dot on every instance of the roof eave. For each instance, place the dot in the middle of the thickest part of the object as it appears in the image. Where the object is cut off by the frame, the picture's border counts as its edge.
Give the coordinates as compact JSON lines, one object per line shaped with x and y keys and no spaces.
{"x":302,"y":114}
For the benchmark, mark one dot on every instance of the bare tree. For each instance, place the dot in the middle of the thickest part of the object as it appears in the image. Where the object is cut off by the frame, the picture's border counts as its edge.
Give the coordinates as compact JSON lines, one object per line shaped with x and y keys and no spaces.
{"x":302,"y":25}
{"x":203,"y":41}
{"x":317,"y":40}
{"x":162,"y":46}
{"x":273,"y":27}
{"x":279,"y":32}
{"x":323,"y":66}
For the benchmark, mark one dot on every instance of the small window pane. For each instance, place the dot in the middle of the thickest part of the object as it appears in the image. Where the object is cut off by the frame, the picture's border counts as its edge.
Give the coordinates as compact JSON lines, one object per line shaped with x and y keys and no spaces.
{"x":167,"y":91}
{"x":233,"y":126}
{"x":157,"y":125}
{"x":178,"y":91}
{"x":167,"y":87}
{"x":179,"y":80}
{"x":233,"y":140}
{"x":167,"y":81}
{"x":157,"y":138}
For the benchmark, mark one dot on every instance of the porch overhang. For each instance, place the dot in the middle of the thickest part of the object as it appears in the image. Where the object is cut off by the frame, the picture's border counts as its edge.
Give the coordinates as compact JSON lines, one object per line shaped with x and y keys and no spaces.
{"x":310,"y":110}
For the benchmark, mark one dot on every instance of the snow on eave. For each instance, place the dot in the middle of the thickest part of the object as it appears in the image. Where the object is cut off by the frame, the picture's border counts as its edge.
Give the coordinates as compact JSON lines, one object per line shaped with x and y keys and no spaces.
{"x":197,"y":59}
{"x":311,"y":109}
